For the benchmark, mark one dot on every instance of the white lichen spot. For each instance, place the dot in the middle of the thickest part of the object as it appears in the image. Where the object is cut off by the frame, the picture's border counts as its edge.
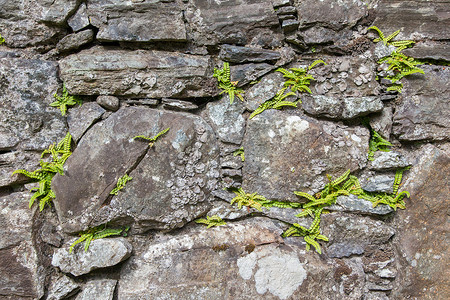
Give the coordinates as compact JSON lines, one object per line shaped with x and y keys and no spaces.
{"x":246,"y":265}
{"x":356,"y":138}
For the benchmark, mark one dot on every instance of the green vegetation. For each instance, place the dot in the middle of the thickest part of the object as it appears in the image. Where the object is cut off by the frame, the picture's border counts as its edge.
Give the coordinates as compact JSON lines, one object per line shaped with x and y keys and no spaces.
{"x":152,"y":140}
{"x":224,"y":80}
{"x":240,"y":152}
{"x":120,"y":184}
{"x":2,"y":40}
{"x":376,"y":142}
{"x":96,"y":233}
{"x":211,"y":221}
{"x":250,"y":200}
{"x":399,"y":64}
{"x":64,"y":101}
{"x":297,"y":80}
{"x":59,"y":154}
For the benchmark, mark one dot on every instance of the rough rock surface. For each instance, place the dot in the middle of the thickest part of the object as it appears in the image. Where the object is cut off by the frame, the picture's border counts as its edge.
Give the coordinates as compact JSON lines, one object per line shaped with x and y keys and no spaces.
{"x":144,"y":73}
{"x":102,"y":253}
{"x":20,"y":269}
{"x":75,"y":40}
{"x":62,"y":288}
{"x":98,"y":289}
{"x":236,"y":54}
{"x":353,"y":204}
{"x":156,"y":194}
{"x":137,"y":21}
{"x":423,"y":114}
{"x":263,"y":90}
{"x":81,"y":118}
{"x":286,"y":151}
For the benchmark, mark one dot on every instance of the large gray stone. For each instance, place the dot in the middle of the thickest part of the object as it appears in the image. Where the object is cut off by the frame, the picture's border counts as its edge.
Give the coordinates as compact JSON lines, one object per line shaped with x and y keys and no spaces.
{"x":388,"y":161}
{"x":75,"y":40}
{"x":263,"y":90}
{"x":236,"y":54}
{"x":247,"y":73}
{"x":138,"y":73}
{"x":21,"y":273}
{"x":286,"y":151}
{"x":417,"y":19}
{"x":137,"y":21}
{"x":62,"y":288}
{"x":171,"y":182}
{"x":81,"y":118}
{"x":26,"y":120}
{"x":240,"y":22}
{"x":102,"y":253}
{"x":423,"y":114}
{"x":430,"y":50}
{"x":341,"y":108}
{"x":80,"y":19}
{"x":353,"y":204}
{"x":14,"y":160}
{"x":227,"y":120}
{"x":422,"y":239}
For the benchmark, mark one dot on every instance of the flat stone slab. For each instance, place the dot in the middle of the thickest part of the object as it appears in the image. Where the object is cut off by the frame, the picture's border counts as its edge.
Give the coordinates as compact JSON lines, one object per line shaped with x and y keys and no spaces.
{"x":237,"y":54}
{"x":286,"y":151}
{"x":423,"y":114}
{"x":145,"y":73}
{"x":102,"y":253}
{"x":354,"y":204}
{"x":98,"y":289}
{"x":388,"y":161}
{"x":137,"y":21}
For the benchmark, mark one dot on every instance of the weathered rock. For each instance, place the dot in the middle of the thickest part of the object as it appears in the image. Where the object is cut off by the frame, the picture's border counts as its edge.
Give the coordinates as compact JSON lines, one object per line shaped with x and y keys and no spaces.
{"x":236,"y":54}
{"x":50,"y":235}
{"x":80,"y":19}
{"x":429,"y":50}
{"x":62,"y":288}
{"x":417,"y":19}
{"x":175,"y":104}
{"x":21,"y":273}
{"x":75,"y":40}
{"x":102,"y":253}
{"x":225,"y":211}
{"x":286,"y":151}
{"x":351,"y":234}
{"x":344,"y":108}
{"x":146,"y":102}
{"x":147,"y":21}
{"x":247,"y":73}
{"x":227,"y":120}
{"x":388,"y":161}
{"x":382,"y":122}
{"x":240,"y":22}
{"x":264,"y":90}
{"x":353,"y":204}
{"x":14,"y":160}
{"x":28,"y":23}
{"x":138,"y":73}
{"x":422,"y":239}
{"x":318,"y":35}
{"x":26,"y":120}
{"x":108,"y":102}
{"x":82,"y":117}
{"x":423,"y":114}
{"x":98,"y":289}
{"x":378,"y":183}
{"x":330,"y":14}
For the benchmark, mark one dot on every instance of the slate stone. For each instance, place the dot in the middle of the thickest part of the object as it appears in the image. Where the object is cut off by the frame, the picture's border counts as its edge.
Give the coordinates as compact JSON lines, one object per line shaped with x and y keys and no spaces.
{"x":108,"y":102}
{"x":147,"y":21}
{"x":329,"y":13}
{"x":80,"y":19}
{"x":350,"y":235}
{"x":172,"y":181}
{"x":264,"y":90}
{"x":14,"y":160}
{"x":429,"y":50}
{"x":62,"y":288}
{"x":415,"y":18}
{"x":144,"y":73}
{"x":180,"y":105}
{"x":423,"y":241}
{"x":21,"y":273}
{"x":247,"y":73}
{"x":98,"y":289}
{"x":102,"y":253}
{"x":276,"y":141}
{"x":341,"y":108}
{"x":318,"y":35}
{"x":388,"y":161}
{"x":237,"y":54}
{"x":423,"y":114}
{"x":227,"y":120}
{"x":289,"y":25}
{"x":81,"y":118}
{"x":26,"y":120}
{"x":239,"y":22}
{"x":378,"y":183}
{"x":353,"y":204}
{"x":382,"y":122}
{"x":75,"y":40}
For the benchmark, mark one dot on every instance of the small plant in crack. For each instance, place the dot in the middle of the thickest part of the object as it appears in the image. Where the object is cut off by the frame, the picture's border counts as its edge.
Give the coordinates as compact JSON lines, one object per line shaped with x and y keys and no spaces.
{"x":2,"y":40}
{"x":376,"y":141}
{"x":64,"y":101}
{"x":121,"y":184}
{"x":211,"y":221}
{"x":96,"y":233}
{"x":152,"y":140}
{"x":224,"y":80}
{"x":59,"y":153}
{"x":240,"y":152}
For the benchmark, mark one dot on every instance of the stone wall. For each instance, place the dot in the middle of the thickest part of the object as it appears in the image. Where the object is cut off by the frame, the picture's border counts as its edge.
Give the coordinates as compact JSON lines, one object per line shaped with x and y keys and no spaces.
{"x":140,"y":66}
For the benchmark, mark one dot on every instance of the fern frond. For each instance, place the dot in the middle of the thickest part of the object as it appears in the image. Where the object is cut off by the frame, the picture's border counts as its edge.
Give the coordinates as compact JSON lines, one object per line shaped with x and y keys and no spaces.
{"x":120,"y":184}
{"x":106,"y":232}
{"x":240,"y":152}
{"x":314,"y":243}
{"x":305,"y":195}
{"x":316,"y":62}
{"x":380,"y":34}
{"x":152,"y":140}
{"x":211,"y":221}
{"x":391,"y":36}
{"x":340,"y":179}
